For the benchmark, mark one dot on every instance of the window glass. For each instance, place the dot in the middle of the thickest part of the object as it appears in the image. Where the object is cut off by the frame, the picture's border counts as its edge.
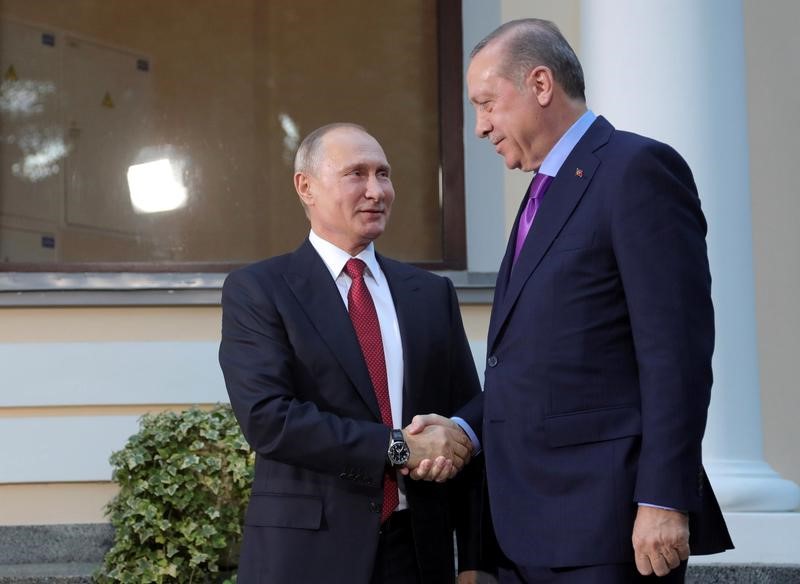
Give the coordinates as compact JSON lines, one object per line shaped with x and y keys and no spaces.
{"x":162,"y":132}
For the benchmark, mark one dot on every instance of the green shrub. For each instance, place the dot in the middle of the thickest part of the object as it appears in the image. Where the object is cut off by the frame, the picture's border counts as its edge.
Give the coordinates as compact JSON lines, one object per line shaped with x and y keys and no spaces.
{"x":184,"y":483}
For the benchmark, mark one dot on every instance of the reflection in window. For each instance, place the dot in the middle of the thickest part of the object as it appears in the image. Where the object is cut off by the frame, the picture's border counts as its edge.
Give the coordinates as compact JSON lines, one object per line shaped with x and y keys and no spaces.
{"x":155,"y":188}
{"x":164,"y":131}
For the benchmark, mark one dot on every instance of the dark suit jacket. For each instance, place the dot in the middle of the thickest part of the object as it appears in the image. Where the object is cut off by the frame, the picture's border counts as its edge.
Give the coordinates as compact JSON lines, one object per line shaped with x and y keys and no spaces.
{"x":598,"y":373}
{"x":302,"y":395}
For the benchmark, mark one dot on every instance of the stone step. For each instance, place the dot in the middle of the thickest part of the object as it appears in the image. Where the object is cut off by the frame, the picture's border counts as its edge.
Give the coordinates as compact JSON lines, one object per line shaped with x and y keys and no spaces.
{"x":60,"y":573}
{"x":55,"y":544}
{"x":81,"y":573}
{"x":69,"y":554}
{"x":52,"y":554}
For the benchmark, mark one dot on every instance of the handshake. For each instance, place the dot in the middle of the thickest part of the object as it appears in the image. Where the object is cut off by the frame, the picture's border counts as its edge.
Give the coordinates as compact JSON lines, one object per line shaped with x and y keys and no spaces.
{"x":439,"y":448}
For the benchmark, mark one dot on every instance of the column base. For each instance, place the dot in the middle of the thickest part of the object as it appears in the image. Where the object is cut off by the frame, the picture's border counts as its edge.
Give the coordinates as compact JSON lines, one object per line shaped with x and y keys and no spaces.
{"x":751,"y":486}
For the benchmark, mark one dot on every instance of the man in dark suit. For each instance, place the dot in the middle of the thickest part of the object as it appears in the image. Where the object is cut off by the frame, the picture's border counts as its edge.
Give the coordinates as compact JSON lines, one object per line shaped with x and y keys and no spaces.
{"x":598,"y":373}
{"x":327,"y":349}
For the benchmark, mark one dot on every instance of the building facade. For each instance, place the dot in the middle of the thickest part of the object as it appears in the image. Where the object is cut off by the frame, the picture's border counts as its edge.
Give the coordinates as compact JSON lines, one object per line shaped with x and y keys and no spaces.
{"x":83,"y":354}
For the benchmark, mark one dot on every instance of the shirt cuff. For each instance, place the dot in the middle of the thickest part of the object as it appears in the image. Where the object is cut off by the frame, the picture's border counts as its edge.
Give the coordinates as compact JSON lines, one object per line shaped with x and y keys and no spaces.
{"x":476,"y":444}
{"x":660,"y":507}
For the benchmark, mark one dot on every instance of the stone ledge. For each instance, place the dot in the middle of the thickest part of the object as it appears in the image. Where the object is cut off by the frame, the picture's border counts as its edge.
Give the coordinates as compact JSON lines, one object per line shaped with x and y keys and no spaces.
{"x":743,"y":574}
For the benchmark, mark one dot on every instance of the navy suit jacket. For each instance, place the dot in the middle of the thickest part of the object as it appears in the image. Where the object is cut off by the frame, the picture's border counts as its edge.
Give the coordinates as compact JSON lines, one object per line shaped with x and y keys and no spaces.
{"x":598,"y":373}
{"x":301,"y":392}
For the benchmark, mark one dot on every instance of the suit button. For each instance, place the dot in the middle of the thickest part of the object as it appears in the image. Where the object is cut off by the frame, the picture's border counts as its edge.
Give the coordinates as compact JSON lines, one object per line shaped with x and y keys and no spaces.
{"x":374,"y":507}
{"x":491,"y":361}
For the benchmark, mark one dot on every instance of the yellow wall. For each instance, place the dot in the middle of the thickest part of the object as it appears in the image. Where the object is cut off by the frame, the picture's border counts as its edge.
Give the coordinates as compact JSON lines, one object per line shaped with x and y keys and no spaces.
{"x":38,"y":504}
{"x":31,"y":504}
{"x":53,"y":503}
{"x":32,"y":325}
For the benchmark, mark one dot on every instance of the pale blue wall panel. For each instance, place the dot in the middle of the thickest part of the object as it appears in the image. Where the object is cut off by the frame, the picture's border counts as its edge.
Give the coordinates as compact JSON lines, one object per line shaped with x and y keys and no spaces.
{"x":55,"y":374}
{"x":61,"y":449}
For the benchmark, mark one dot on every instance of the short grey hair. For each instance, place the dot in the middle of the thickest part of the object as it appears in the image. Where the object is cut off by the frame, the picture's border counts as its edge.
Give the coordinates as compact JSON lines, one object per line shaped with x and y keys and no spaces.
{"x":531,"y":42}
{"x":307,"y":158}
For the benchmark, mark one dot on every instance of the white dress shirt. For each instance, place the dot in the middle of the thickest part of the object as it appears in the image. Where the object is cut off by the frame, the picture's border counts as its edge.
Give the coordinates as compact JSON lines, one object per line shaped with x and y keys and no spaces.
{"x":335,"y":259}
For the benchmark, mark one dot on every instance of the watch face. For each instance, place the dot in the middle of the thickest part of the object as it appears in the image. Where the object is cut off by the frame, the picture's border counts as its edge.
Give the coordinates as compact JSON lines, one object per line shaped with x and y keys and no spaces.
{"x":398,"y":453}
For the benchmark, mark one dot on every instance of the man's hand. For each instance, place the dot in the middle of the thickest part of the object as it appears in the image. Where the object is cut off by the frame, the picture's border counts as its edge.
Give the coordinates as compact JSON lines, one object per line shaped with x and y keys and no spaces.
{"x":660,"y":540}
{"x":439,"y":448}
{"x":467,"y":577}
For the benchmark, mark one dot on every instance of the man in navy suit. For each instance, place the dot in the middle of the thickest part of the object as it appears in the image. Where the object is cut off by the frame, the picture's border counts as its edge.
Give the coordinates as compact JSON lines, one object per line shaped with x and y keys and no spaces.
{"x":325,"y":351}
{"x":598,"y":373}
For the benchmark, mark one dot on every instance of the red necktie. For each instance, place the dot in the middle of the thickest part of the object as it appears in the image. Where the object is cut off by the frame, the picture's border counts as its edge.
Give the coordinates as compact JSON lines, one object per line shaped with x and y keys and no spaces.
{"x":368,"y":330}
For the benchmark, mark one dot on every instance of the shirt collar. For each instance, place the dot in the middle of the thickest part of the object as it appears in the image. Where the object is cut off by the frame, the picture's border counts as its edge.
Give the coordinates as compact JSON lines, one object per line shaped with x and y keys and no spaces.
{"x":335,"y":258}
{"x":556,"y":157}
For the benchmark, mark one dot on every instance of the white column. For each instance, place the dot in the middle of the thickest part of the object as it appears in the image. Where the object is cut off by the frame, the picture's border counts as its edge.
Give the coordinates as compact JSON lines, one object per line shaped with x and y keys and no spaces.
{"x":674,"y":70}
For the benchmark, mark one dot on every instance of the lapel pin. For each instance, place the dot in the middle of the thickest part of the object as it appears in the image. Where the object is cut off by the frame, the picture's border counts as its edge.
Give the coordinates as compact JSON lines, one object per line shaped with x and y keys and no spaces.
{"x":579,"y":172}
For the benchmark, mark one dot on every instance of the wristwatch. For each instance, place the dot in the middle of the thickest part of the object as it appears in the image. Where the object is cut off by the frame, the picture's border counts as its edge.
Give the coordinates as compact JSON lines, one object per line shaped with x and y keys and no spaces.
{"x":398,"y":449}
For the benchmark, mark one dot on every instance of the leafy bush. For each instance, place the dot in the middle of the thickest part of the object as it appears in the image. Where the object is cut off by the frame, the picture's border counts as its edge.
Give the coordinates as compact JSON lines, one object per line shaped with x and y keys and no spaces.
{"x":184,"y":483}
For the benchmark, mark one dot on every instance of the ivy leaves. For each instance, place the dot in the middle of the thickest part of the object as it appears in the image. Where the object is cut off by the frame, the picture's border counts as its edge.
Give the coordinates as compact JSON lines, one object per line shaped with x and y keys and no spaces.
{"x":184,"y":482}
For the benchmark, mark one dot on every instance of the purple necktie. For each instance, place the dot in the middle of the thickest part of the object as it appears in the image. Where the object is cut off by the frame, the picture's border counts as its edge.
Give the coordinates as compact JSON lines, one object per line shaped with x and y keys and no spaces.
{"x":538,"y":187}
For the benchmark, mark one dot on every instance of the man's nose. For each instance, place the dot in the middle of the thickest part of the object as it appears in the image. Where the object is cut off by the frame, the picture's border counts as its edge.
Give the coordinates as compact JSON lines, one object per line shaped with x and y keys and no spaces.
{"x":482,"y":126}
{"x":374,"y":188}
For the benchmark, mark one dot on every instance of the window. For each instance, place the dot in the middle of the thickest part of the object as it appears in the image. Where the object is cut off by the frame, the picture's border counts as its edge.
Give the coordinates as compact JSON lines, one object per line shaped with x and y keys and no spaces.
{"x":158,"y":135}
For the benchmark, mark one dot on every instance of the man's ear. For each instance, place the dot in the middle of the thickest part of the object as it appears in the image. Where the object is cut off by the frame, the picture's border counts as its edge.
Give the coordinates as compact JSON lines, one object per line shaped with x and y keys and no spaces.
{"x":302,"y":185}
{"x":541,"y":83}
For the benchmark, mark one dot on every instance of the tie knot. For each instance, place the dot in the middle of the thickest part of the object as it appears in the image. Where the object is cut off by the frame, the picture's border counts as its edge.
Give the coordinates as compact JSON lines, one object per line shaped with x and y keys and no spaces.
{"x":539,"y":184}
{"x":355,"y":268}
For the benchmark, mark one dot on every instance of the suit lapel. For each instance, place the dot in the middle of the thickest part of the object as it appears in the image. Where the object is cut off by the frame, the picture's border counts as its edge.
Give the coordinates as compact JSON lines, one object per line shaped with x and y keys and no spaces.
{"x":562,"y":197}
{"x":505,"y":272}
{"x":405,"y":294}
{"x":311,"y":282}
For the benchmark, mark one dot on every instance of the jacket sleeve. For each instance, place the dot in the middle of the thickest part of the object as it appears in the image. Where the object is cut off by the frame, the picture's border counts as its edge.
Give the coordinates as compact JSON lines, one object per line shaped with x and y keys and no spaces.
{"x":658,"y":236}
{"x":260,"y":371}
